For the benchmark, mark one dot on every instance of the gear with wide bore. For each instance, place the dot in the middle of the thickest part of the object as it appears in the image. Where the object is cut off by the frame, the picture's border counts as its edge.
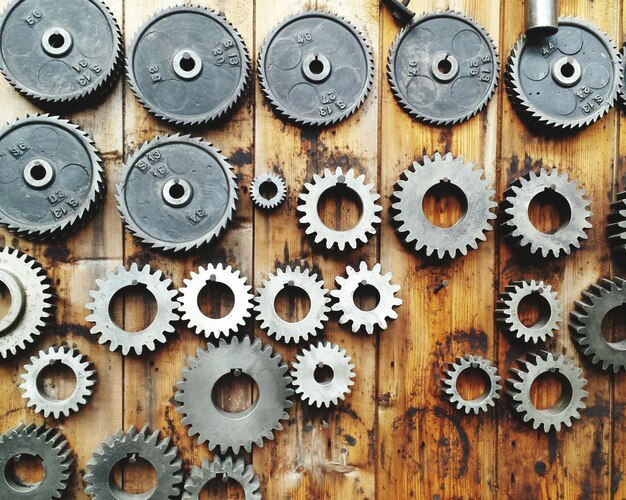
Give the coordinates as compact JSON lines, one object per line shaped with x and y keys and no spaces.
{"x":490,"y":393}
{"x":273,"y":180}
{"x":617,"y":224}
{"x":224,"y":468}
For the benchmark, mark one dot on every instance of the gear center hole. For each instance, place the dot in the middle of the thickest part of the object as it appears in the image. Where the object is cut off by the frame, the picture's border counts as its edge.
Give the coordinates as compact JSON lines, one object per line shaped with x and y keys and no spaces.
{"x":366,"y":297}
{"x":445,"y":204}
{"x":216,"y":300}
{"x":5,"y":300}
{"x":56,"y":40}
{"x":235,"y":392}
{"x":177,"y":191}
{"x":613,"y":328}
{"x":340,"y":208}
{"x":316,"y":66}
{"x":549,"y":211}
{"x":567,"y":70}
{"x":24,"y":472}
{"x":444,"y":66}
{"x":133,"y":308}
{"x":222,"y":486}
{"x":292,"y":304}
{"x":473,"y":384}
{"x":551,"y":392}
{"x":268,"y":190}
{"x":533,"y":310}
{"x":187,"y":62}
{"x":38,"y":172}
{"x":56,"y":382}
{"x":133,"y":475}
{"x":323,"y":374}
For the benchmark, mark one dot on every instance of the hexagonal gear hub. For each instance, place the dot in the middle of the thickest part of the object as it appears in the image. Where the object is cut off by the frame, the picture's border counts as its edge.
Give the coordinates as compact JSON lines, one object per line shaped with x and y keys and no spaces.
{"x":227,"y":467}
{"x":272,"y":202}
{"x":490,"y":393}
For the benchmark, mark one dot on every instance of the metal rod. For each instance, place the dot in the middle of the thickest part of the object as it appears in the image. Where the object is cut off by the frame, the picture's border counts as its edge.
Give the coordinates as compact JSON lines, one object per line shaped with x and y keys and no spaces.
{"x":541,"y":17}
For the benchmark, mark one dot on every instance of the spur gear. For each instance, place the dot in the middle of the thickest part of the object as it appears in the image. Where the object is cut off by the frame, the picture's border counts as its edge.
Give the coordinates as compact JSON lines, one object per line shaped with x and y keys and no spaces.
{"x":490,"y":393}
{"x":316,"y":69}
{"x":242,"y":429}
{"x":565,"y":81}
{"x":617,"y":224}
{"x":572,"y":395}
{"x":51,"y":178}
{"x":117,"y":337}
{"x":227,"y":467}
{"x":323,"y":392}
{"x":188,"y":66}
{"x":443,"y":68}
{"x":60,"y":52}
{"x":414,"y":225}
{"x":348,"y":183}
{"x":279,"y":186}
{"x":149,"y":446}
{"x":177,"y":193}
{"x":518,"y":226}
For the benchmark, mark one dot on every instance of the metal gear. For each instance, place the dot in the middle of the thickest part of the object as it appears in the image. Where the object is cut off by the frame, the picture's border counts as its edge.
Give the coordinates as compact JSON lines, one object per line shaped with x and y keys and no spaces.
{"x":316,"y":69}
{"x":242,"y":429}
{"x":60,"y":51}
{"x":31,"y":300}
{"x":188,"y":65}
{"x":570,"y":402}
{"x":621,"y":91}
{"x":148,"y":337}
{"x":325,"y":392}
{"x":50,"y":176}
{"x":443,"y":68}
{"x":565,"y":81}
{"x":617,"y":224}
{"x":322,"y":234}
{"x":149,"y":446}
{"x":518,"y":226}
{"x":39,"y":400}
{"x":268,"y":203}
{"x":414,"y":225}
{"x":177,"y":193}
{"x":37,"y":441}
{"x":227,"y":467}
{"x":288,"y":331}
{"x":490,"y":393}
{"x":550,"y":308}
{"x":203,"y":324}
{"x":350,"y":312}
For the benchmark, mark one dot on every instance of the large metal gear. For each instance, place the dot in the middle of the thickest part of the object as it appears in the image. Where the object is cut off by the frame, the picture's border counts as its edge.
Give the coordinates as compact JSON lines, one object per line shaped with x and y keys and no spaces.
{"x":490,"y":393}
{"x":50,"y":176}
{"x":414,"y":225}
{"x":238,"y":430}
{"x":177,"y":193}
{"x":188,"y":65}
{"x":224,"y":468}
{"x":257,"y":196}
{"x":368,"y":201}
{"x":149,"y":446}
{"x":617,"y":224}
{"x":443,"y":68}
{"x":316,"y":69}
{"x":565,"y":81}
{"x":118,"y":338}
{"x":59,"y":52}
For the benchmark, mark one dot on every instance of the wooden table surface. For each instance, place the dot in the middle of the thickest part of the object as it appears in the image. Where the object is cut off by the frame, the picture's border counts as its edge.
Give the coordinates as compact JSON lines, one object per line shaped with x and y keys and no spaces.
{"x":394,"y":436}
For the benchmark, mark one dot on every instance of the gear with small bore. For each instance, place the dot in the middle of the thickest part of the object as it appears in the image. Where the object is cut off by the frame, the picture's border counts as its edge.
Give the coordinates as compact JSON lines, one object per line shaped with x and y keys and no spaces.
{"x":617,"y":224}
{"x":268,"y":203}
{"x":227,"y":467}
{"x":489,"y":394}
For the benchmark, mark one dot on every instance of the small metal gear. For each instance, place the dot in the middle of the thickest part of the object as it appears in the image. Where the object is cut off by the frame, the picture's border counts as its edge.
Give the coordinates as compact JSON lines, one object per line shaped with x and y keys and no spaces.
{"x":31,"y":300}
{"x":50,"y":176}
{"x":414,"y":225}
{"x":242,"y":429}
{"x":617,"y":224}
{"x":177,"y":193}
{"x":322,"y":234}
{"x":148,"y":337}
{"x":572,"y":396}
{"x":227,"y":467}
{"x":37,"y":441}
{"x":316,"y":69}
{"x":203,"y":324}
{"x":149,"y":446}
{"x":565,"y":81}
{"x":550,"y":309}
{"x":325,"y":392}
{"x":490,"y":393}
{"x":622,"y":91}
{"x":268,"y":203}
{"x":276,"y":326}
{"x":443,"y":68}
{"x":518,"y":226}
{"x":60,"y":52}
{"x":39,"y":400}
{"x":188,"y":65}
{"x":350,"y":312}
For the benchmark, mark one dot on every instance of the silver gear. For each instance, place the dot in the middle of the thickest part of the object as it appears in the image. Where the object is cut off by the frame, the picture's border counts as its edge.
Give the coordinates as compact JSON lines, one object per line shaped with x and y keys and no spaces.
{"x":234,"y":430}
{"x":143,"y":444}
{"x":489,"y":395}
{"x":617,"y":224}
{"x":322,"y":393}
{"x":42,"y":403}
{"x":31,"y":300}
{"x":413,"y":223}
{"x":622,"y":92}
{"x":117,"y":337}
{"x":260,"y":200}
{"x":322,"y":234}
{"x":350,"y":312}
{"x":227,"y":467}
{"x":225,"y":325}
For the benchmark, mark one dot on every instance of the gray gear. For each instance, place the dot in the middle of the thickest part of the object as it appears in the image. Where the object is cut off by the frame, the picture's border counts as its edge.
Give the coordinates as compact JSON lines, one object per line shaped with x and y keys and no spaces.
{"x":188,"y":65}
{"x":413,"y":223}
{"x":518,"y":226}
{"x":572,"y":396}
{"x":489,"y":395}
{"x":50,"y":176}
{"x":177,"y":193}
{"x":261,"y":201}
{"x":617,"y":224}
{"x":316,"y":69}
{"x":323,"y":393}
{"x":621,"y":91}
{"x":443,"y":68}
{"x":60,"y":51}
{"x":117,"y":337}
{"x":322,"y":234}
{"x":228,"y":467}
{"x":128,"y":445}
{"x":234,"y":430}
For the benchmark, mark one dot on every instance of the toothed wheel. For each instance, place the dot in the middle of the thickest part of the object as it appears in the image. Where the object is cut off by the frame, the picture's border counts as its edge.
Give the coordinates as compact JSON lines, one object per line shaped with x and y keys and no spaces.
{"x":617,"y":224}
{"x":227,"y":467}
{"x":489,"y":394}
{"x":277,"y":184}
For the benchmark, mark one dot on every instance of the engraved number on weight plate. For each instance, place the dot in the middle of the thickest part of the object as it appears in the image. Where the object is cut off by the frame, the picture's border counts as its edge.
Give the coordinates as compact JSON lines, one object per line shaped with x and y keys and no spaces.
{"x":33,"y":17}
